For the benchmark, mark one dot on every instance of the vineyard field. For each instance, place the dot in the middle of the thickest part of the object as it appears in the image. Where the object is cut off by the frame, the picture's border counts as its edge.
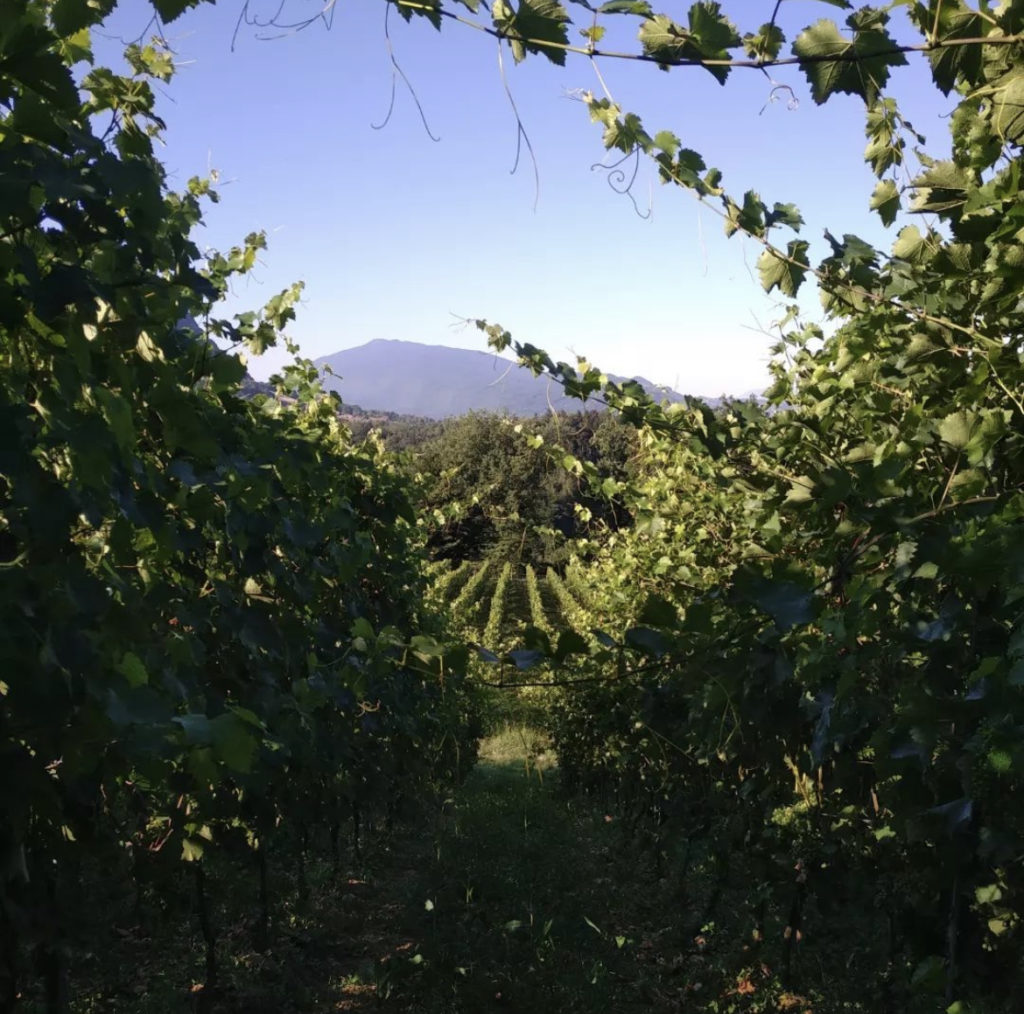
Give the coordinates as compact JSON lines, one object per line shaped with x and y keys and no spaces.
{"x":722,"y":709}
{"x":471,"y":590}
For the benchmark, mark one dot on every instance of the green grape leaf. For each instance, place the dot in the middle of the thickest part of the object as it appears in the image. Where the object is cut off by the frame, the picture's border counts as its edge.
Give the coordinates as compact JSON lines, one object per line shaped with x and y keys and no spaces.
{"x":118,"y":414}
{"x":832,"y":63}
{"x":1008,"y":107}
{"x":886,"y":201}
{"x":667,"y":142}
{"x":658,"y":612}
{"x":526,"y":658}
{"x":233,"y":742}
{"x":639,"y":7}
{"x":570,"y":643}
{"x":532,"y":24}
{"x":1000,"y":761}
{"x":942,"y":187}
{"x":765,"y":44}
{"x":71,"y":16}
{"x":785,"y":214}
{"x":536,"y":639}
{"x":956,"y":429}
{"x":784,"y":273}
{"x":196,"y":728}
{"x":133,"y":670}
{"x":171,"y":10}
{"x":910,"y":244}
{"x":954,"y":815}
{"x":988,"y":895}
{"x":929,"y":976}
{"x":646,"y":640}
{"x":192,"y":849}
{"x":710,"y":36}
{"x":954,"y":20}
{"x":425,"y":647}
{"x":788,"y":604}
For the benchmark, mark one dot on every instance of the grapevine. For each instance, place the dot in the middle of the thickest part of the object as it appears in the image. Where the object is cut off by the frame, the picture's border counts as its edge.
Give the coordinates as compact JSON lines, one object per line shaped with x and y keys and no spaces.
{"x":572,"y":614}
{"x":451,"y":579}
{"x":537,"y":616}
{"x":577,"y":583}
{"x":493,"y":629}
{"x":467,"y":603}
{"x":216,"y":635}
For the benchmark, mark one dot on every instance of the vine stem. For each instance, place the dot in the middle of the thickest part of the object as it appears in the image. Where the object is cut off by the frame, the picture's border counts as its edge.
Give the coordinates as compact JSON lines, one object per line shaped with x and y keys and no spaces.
{"x":522,"y":137}
{"x":874,"y":297}
{"x":952,"y":933}
{"x":949,"y":482}
{"x":206,"y":927}
{"x":396,"y":72}
{"x":1017,"y":403}
{"x":263,"y":923}
{"x":591,"y":52}
{"x":861,"y":548}
{"x":662,"y":61}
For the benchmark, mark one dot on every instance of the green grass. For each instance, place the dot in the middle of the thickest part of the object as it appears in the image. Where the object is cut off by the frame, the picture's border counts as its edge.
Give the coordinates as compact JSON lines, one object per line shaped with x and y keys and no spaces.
{"x":535,"y":901}
{"x":518,"y":744}
{"x":511,"y":915}
{"x":506,"y":895}
{"x":529,"y":902}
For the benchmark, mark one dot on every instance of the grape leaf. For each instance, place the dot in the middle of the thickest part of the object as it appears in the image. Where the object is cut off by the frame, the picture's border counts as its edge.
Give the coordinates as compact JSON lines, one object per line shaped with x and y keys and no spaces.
{"x":532,"y":24}
{"x":784,"y":273}
{"x":886,"y":201}
{"x":832,"y":63}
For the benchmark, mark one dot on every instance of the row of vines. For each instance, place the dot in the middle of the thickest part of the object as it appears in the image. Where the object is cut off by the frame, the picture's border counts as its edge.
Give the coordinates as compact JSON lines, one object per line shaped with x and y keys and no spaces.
{"x":498,"y":605}
{"x":214,"y":643}
{"x":800,"y":679}
{"x":813,"y":703}
{"x":804,"y":682}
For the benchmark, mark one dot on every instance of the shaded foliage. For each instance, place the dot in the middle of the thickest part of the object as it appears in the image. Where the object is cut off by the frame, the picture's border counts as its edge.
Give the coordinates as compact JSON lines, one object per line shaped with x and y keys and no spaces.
{"x":214,"y":633}
{"x":495,"y":486}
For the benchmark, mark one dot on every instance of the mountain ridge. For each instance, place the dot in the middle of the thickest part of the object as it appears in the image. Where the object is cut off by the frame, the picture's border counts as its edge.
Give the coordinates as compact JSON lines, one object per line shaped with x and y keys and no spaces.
{"x":439,"y":381}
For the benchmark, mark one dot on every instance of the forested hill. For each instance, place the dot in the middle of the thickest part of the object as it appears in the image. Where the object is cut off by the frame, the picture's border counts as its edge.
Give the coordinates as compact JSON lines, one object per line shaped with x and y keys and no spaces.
{"x":437,"y":382}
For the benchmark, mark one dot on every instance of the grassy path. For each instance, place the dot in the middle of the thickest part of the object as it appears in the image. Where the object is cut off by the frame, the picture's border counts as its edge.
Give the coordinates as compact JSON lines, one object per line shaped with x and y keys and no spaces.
{"x":526,"y":903}
{"x":506,"y":896}
{"x":510,"y":897}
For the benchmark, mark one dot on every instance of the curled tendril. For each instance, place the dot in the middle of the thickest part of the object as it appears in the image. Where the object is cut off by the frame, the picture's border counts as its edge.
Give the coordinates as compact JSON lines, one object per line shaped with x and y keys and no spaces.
{"x":621,"y":181}
{"x":396,"y":73}
{"x":522,"y":137}
{"x":325,"y":15}
{"x":773,"y":96}
{"x":246,"y":17}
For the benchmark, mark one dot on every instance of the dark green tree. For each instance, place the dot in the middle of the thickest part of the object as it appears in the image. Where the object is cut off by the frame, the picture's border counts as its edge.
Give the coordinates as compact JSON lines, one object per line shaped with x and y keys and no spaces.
{"x":499,"y":488}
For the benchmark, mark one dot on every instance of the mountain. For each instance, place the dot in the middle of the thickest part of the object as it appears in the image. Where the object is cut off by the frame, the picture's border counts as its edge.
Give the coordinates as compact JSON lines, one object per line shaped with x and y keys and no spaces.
{"x":435,"y":381}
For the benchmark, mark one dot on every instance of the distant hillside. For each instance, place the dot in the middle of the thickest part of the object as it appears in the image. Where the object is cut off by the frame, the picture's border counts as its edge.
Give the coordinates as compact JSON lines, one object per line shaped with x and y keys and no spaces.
{"x":436,"y":382}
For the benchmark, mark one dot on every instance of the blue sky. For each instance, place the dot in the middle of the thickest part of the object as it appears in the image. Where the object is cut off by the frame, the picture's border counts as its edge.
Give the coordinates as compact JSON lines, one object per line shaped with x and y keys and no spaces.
{"x":397,"y":236}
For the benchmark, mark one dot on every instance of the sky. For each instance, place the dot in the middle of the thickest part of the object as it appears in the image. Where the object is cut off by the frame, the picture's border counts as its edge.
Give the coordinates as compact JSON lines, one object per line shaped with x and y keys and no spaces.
{"x":399,"y":236}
